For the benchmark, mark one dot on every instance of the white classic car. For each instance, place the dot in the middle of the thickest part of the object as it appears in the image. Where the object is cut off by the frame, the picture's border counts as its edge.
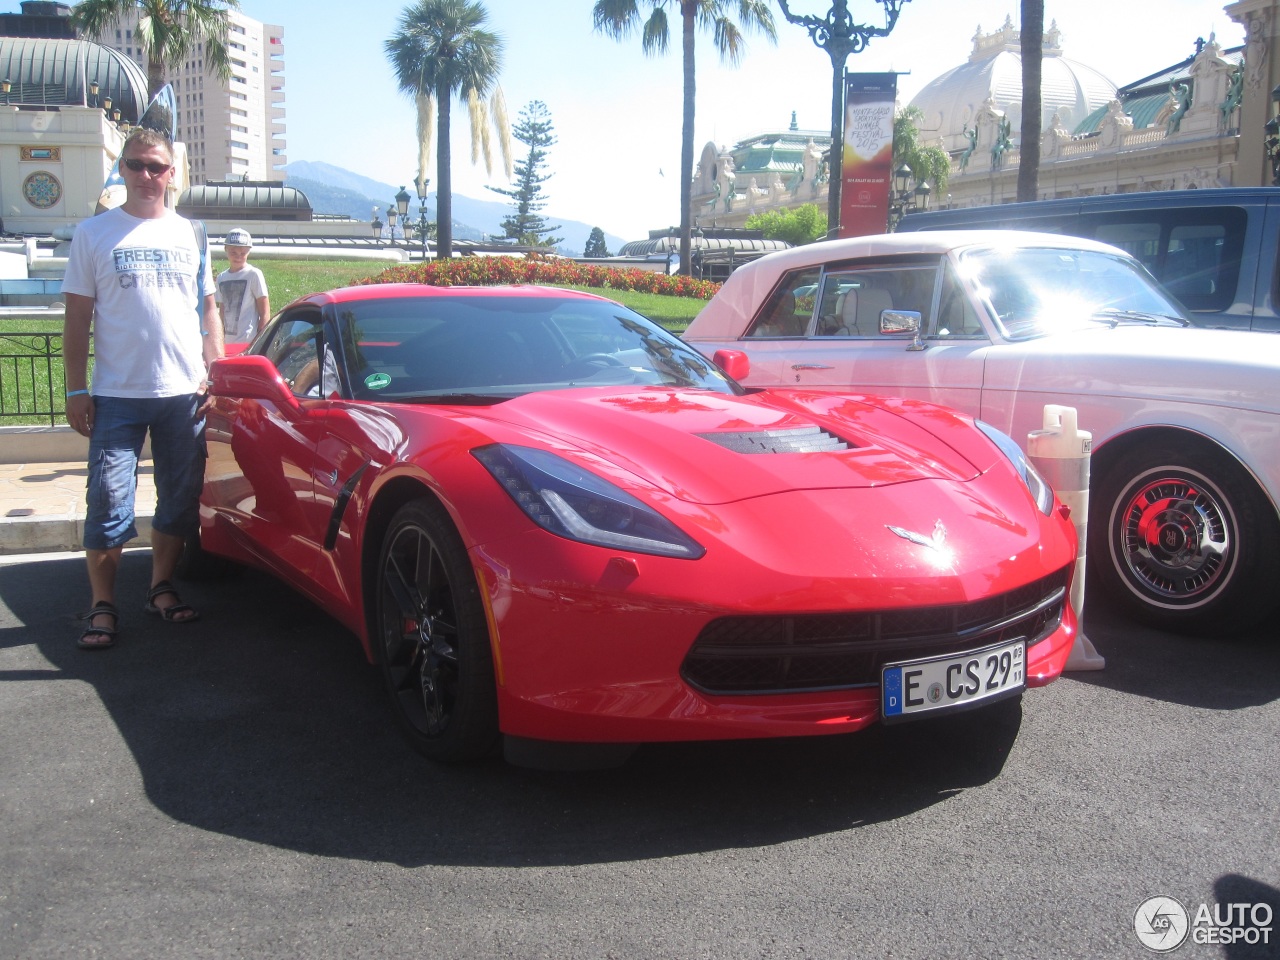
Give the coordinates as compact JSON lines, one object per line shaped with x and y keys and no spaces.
{"x":1185,"y":471}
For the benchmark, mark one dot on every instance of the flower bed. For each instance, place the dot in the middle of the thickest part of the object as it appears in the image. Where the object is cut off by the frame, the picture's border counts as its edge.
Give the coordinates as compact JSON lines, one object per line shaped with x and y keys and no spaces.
{"x":491,"y":271}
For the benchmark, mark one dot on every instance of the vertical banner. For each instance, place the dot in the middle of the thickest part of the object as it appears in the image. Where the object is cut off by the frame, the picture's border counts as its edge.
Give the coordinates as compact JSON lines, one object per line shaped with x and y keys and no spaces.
{"x":867,"y":170}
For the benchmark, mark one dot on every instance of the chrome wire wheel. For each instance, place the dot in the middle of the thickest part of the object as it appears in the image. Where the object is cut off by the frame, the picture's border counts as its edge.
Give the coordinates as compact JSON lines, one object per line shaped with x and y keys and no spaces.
{"x":431,"y":639}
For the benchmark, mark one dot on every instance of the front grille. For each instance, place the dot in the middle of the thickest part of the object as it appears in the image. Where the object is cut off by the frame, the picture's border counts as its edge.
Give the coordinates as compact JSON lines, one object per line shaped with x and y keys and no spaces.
{"x":795,"y":440}
{"x":808,"y":652}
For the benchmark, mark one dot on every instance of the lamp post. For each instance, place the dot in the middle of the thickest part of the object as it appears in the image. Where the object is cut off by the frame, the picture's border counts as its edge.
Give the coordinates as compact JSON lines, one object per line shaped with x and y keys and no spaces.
{"x":402,"y":211}
{"x":93,"y":92}
{"x":840,"y":36}
{"x":1273,"y":137}
{"x":391,"y":224}
{"x":421,"y":184}
{"x":5,"y":86}
{"x":376,"y":225}
{"x":907,"y":195}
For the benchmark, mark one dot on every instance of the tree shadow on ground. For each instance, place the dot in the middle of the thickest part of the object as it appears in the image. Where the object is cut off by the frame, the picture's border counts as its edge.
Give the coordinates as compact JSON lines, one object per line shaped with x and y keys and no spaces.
{"x":263,"y":721}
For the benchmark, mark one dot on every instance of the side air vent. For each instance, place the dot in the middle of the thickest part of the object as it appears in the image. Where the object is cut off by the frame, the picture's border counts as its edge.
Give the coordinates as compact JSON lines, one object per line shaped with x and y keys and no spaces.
{"x":800,"y":440}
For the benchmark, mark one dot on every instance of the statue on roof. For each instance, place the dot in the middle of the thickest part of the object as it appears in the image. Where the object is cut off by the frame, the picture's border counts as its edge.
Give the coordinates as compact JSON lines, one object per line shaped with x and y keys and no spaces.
{"x":1004,"y":142}
{"x":1235,"y":92}
{"x":971,"y":135}
{"x":1180,"y":95}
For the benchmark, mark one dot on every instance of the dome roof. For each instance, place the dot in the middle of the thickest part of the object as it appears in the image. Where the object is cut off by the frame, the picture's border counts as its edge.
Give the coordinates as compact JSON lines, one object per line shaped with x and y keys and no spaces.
{"x":994,"y":71}
{"x":59,"y":72}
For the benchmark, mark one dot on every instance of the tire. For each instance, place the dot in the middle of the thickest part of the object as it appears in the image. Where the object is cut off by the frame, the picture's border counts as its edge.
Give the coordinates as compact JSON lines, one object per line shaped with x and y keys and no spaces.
{"x":1183,"y":539}
{"x":431,"y":638}
{"x":197,"y":564}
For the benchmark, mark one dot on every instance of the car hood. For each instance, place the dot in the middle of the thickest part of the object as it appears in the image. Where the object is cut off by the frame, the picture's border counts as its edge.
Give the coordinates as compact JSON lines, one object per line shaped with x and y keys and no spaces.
{"x":710,"y":448}
{"x":1230,"y":368}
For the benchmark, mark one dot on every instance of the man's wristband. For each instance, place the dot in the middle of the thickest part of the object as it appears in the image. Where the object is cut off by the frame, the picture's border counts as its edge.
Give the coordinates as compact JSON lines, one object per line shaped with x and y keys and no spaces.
{"x":77,"y":393}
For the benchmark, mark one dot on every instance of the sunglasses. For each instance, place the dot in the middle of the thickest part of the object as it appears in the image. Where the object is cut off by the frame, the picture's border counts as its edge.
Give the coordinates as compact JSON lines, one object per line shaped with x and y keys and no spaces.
{"x":155,"y":169}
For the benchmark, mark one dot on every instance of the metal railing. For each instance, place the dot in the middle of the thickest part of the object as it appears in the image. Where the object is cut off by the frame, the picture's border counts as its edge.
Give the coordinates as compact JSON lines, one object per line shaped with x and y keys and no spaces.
{"x":32,"y":384}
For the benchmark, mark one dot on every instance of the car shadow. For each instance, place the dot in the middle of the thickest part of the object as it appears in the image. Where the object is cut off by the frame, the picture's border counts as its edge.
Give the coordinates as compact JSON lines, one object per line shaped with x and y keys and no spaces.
{"x":263,"y":721}
{"x":1215,"y":673}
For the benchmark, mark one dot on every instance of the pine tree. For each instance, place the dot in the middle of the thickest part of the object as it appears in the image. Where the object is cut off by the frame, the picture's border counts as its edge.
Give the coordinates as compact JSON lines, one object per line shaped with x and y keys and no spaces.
{"x":527,"y":226}
{"x":595,"y":249}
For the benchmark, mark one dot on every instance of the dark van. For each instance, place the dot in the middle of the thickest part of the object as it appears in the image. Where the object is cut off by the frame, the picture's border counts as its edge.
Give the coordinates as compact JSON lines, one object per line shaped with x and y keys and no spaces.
{"x":1215,"y":250}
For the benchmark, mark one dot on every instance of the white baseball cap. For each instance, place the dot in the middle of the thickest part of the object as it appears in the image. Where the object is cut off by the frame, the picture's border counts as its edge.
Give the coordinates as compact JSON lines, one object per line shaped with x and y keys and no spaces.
{"x":238,"y":237}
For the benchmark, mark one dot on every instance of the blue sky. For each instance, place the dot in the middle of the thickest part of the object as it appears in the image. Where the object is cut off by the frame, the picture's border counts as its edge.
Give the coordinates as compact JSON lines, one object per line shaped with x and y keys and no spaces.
{"x":617,"y":112}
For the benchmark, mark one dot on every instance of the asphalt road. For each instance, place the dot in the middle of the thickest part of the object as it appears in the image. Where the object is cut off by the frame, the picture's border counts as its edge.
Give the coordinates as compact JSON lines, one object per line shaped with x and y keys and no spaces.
{"x":234,"y":788}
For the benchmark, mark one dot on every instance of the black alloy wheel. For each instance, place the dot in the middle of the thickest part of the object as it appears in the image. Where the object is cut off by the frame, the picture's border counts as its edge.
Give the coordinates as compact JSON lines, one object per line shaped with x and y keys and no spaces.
{"x":432,"y":640}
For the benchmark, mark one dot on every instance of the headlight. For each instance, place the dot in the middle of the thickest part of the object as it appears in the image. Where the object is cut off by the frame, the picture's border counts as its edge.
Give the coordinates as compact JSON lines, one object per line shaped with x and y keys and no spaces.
{"x":1041,"y":492}
{"x":572,"y":503}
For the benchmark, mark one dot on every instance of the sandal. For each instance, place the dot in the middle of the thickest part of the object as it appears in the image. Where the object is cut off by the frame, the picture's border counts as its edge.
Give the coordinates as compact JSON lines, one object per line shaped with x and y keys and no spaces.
{"x":107,"y":633}
{"x":169,"y":613}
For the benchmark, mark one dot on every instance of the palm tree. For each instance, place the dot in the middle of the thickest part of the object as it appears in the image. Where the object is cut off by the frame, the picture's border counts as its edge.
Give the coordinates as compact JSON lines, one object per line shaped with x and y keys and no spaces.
{"x":440,"y":50}
{"x":1032,"y":111}
{"x":617,"y":19}
{"x":168,"y":30}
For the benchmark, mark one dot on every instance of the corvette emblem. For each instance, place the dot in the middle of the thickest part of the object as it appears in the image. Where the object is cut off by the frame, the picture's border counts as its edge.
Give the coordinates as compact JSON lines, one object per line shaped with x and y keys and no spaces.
{"x":935,"y":542}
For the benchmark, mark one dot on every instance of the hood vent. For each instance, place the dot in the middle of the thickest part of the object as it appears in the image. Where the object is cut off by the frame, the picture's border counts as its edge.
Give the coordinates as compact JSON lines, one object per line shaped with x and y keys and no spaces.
{"x":801,"y":440}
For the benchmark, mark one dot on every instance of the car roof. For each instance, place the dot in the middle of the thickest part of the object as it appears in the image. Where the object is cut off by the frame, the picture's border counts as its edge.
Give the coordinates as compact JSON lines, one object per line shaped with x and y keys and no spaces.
{"x":931,"y":242}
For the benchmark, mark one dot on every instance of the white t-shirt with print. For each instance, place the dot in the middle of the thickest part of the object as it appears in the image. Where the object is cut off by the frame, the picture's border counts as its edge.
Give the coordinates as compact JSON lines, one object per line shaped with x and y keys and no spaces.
{"x":142,"y":276}
{"x":238,"y":291}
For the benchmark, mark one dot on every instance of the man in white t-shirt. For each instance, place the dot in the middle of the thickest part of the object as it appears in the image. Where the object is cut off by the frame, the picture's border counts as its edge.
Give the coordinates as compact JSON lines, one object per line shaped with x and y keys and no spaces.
{"x":242,"y":291}
{"x":138,"y":278}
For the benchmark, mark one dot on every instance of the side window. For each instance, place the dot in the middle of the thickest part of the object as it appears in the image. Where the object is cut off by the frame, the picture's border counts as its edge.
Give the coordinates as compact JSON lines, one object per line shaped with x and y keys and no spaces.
{"x":851,"y":303}
{"x":294,"y":348}
{"x":788,"y":311}
{"x":956,"y":314}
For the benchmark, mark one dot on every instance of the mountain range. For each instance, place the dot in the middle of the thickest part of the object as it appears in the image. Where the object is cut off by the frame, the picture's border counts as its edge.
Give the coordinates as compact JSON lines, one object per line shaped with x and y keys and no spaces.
{"x":333,"y":190}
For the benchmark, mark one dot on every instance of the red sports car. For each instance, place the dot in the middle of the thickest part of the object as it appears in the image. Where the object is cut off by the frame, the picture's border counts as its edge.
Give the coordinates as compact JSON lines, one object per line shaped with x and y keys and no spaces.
{"x":547,"y":518}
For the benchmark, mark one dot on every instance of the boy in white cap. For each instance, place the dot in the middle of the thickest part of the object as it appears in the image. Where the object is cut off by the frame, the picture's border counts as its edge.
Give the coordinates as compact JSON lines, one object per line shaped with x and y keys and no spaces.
{"x":241,"y":291}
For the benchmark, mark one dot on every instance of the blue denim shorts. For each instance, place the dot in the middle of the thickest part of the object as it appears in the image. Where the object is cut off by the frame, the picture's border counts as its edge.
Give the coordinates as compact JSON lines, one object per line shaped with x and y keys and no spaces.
{"x":120,"y":426}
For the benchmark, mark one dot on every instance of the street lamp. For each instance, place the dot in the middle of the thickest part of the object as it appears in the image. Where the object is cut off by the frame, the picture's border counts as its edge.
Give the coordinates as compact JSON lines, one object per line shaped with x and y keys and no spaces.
{"x":5,"y":86}
{"x":402,"y":210}
{"x":421,"y":184}
{"x":376,"y":225}
{"x":840,"y":36}
{"x":1273,"y":137}
{"x":391,"y":224}
{"x":908,"y":196}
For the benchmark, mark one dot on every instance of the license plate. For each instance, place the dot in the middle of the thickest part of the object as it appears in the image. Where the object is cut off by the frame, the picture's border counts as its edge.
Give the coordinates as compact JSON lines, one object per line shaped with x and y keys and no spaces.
{"x":937,"y":684}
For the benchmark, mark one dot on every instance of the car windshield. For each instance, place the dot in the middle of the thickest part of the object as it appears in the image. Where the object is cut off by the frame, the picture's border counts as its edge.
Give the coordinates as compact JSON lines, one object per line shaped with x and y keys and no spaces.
{"x":1034,"y":291}
{"x":482,"y":349}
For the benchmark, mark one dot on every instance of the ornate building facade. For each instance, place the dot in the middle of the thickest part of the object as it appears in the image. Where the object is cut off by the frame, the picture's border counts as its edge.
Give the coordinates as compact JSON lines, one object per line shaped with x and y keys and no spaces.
{"x":1199,"y":123}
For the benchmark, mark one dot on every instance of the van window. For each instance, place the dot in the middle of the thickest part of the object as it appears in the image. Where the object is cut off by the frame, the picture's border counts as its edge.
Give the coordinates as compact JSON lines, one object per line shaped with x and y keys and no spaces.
{"x":1194,"y":251}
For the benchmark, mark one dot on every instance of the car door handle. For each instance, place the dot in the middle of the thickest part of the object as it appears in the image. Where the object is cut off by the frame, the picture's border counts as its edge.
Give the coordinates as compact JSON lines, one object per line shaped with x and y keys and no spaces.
{"x":811,"y":366}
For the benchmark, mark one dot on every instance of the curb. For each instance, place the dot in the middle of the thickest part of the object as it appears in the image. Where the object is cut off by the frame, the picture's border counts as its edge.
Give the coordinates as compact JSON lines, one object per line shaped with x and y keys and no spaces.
{"x":20,"y":535}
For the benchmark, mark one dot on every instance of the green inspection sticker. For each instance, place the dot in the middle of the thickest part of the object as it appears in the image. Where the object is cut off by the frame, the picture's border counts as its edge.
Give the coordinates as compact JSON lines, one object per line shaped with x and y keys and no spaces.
{"x":377,"y":381}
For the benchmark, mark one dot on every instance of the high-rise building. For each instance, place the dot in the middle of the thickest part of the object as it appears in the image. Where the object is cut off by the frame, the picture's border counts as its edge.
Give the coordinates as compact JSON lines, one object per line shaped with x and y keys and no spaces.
{"x":234,"y":128}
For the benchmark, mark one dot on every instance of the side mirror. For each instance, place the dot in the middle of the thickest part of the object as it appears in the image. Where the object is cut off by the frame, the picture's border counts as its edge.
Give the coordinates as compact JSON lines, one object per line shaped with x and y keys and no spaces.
{"x":733,"y":362}
{"x":894,"y":323}
{"x":250,"y":378}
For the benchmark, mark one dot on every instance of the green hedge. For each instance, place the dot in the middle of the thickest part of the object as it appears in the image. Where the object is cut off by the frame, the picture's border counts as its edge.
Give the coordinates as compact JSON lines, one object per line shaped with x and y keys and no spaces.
{"x":492,"y":271}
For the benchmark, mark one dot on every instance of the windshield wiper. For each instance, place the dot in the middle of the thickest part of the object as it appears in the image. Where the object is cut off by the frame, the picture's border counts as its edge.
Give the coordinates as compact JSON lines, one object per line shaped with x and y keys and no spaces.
{"x":1117,"y":317}
{"x":462,"y":399}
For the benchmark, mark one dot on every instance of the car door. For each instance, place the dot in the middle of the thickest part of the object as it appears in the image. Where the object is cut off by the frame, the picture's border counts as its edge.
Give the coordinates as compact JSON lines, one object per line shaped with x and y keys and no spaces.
{"x":268,"y":451}
{"x":847,"y":349}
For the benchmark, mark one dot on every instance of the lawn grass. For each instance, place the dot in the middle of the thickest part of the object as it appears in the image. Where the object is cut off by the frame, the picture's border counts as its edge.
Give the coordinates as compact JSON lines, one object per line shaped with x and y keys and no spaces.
{"x":286,"y":281}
